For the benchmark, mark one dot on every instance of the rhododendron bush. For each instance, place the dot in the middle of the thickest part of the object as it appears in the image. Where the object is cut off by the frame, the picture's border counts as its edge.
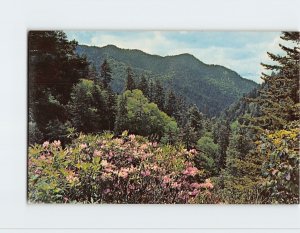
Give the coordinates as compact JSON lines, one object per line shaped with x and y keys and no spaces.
{"x":105,"y":169}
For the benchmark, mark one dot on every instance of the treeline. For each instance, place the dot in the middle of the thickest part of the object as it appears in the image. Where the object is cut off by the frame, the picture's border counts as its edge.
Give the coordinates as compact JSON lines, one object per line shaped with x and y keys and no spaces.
{"x":67,"y":94}
{"x":250,"y":152}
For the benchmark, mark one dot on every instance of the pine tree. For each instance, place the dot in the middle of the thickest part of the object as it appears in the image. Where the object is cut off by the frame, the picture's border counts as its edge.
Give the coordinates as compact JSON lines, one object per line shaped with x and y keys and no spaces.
{"x":171,"y":105}
{"x":279,"y":104}
{"x":143,"y":86}
{"x":121,"y":118}
{"x":105,"y":74}
{"x":151,"y":91}
{"x":279,"y":97}
{"x":130,"y":84}
{"x":159,"y":95}
{"x":196,"y":120}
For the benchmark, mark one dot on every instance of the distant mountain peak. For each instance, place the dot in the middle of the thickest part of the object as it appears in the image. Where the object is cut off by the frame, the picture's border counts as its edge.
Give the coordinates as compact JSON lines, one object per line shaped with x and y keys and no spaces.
{"x":211,"y":87}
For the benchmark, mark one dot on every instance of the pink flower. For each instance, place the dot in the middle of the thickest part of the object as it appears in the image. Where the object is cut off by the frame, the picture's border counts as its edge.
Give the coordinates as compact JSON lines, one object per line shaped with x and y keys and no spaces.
{"x":144,"y":146}
{"x":37,"y":172}
{"x":175,"y":185}
{"x":193,"y":151}
{"x":42,"y":157}
{"x":83,"y":146}
{"x":104,"y":163}
{"x":97,"y":153}
{"x":207,"y":184}
{"x":190,"y":171}
{"x":195,"y":185}
{"x":131,"y":137}
{"x":56,"y":143}
{"x":154,"y":144}
{"x":106,"y":191}
{"x":194,"y":192}
{"x":46,"y":144}
{"x":166,"y":179}
{"x":123,"y":173}
{"x":146,"y":173}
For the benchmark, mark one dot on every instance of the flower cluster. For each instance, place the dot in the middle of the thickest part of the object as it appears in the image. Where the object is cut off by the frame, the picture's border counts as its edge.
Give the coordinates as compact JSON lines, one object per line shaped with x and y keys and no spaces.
{"x":104,"y":169}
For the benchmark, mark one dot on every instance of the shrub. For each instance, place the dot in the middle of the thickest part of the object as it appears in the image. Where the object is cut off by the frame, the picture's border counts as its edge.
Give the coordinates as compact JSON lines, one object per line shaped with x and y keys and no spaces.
{"x":281,"y":168}
{"x":104,"y":169}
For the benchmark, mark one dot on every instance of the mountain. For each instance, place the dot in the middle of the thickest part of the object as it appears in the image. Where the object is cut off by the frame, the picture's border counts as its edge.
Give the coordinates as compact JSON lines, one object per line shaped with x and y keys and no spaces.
{"x":211,"y":87}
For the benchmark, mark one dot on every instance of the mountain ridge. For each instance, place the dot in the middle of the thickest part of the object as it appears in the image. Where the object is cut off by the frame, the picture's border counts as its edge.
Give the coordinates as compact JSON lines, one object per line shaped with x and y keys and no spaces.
{"x":211,"y":87}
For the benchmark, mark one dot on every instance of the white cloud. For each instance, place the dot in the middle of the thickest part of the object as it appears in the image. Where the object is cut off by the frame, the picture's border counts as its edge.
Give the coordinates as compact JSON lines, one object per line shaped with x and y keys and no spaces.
{"x":244,"y":59}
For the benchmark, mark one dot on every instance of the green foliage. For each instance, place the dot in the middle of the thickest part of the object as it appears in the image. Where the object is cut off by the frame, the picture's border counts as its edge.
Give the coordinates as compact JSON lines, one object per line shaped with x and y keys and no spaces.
{"x":281,"y":167}
{"x":211,"y":87}
{"x":140,"y":117}
{"x":53,"y":68}
{"x":88,"y":107}
{"x":207,"y":158}
{"x":104,"y":169}
{"x":130,"y":83}
{"x":34,"y":134}
{"x":105,"y":74}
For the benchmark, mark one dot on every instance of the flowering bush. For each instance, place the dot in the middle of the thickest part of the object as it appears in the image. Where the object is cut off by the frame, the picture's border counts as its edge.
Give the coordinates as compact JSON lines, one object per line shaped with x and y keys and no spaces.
{"x":281,"y":168}
{"x":104,"y":169}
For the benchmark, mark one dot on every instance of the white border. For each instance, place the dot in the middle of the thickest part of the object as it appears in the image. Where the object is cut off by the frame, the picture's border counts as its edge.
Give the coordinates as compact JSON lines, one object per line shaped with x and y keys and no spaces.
{"x":17,"y":16}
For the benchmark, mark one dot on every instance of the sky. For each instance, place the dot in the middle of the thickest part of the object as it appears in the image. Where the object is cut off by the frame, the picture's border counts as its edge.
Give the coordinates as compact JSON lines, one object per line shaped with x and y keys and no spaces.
{"x":240,"y":51}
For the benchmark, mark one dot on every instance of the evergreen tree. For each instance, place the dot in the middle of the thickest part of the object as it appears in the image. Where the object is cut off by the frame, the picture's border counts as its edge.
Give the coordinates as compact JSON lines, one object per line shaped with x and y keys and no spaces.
{"x":105,"y":74}
{"x":111,"y":108}
{"x":279,"y":97}
{"x":121,"y":122}
{"x":151,"y":91}
{"x":171,"y":105}
{"x":196,"y":120}
{"x":130,"y":84}
{"x":54,"y":67}
{"x":188,"y":136}
{"x":221,"y":133}
{"x":159,"y":95}
{"x":143,"y":86}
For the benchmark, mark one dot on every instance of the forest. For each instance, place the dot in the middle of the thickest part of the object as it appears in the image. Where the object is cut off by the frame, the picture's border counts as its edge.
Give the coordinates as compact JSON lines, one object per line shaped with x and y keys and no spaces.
{"x":145,"y":130}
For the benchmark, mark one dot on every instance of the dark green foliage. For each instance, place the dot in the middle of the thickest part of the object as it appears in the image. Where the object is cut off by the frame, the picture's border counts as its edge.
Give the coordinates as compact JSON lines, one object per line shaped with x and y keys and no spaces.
{"x":105,"y":74}
{"x":211,"y":87}
{"x":207,"y":158}
{"x":88,"y":107}
{"x":143,"y":86}
{"x":221,"y":137}
{"x":53,"y":69}
{"x":130,"y":83}
{"x":121,"y":118}
{"x":279,"y":97}
{"x":171,"y":104}
{"x":159,"y":95}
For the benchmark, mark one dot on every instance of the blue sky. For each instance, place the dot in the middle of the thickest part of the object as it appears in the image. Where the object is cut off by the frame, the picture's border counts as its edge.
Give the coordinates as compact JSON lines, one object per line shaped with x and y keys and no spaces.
{"x":240,"y":51}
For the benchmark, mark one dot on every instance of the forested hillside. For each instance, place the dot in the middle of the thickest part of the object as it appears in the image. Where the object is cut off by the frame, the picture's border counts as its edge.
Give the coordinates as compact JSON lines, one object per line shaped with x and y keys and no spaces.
{"x":146,"y":140}
{"x":211,"y":87}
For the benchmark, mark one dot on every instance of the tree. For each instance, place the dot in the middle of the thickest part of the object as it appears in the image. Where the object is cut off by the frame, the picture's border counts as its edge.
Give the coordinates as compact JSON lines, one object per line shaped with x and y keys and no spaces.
{"x":171,"y":105}
{"x":121,"y":118}
{"x":207,"y":159}
{"x":159,"y":95}
{"x":221,"y":133}
{"x":88,"y":107}
{"x":105,"y":74}
{"x":195,"y":118}
{"x":143,"y":86}
{"x":279,"y":99}
{"x":279,"y":122}
{"x":143,"y":118}
{"x":188,"y":135}
{"x":130,"y":84}
{"x":53,"y":68}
